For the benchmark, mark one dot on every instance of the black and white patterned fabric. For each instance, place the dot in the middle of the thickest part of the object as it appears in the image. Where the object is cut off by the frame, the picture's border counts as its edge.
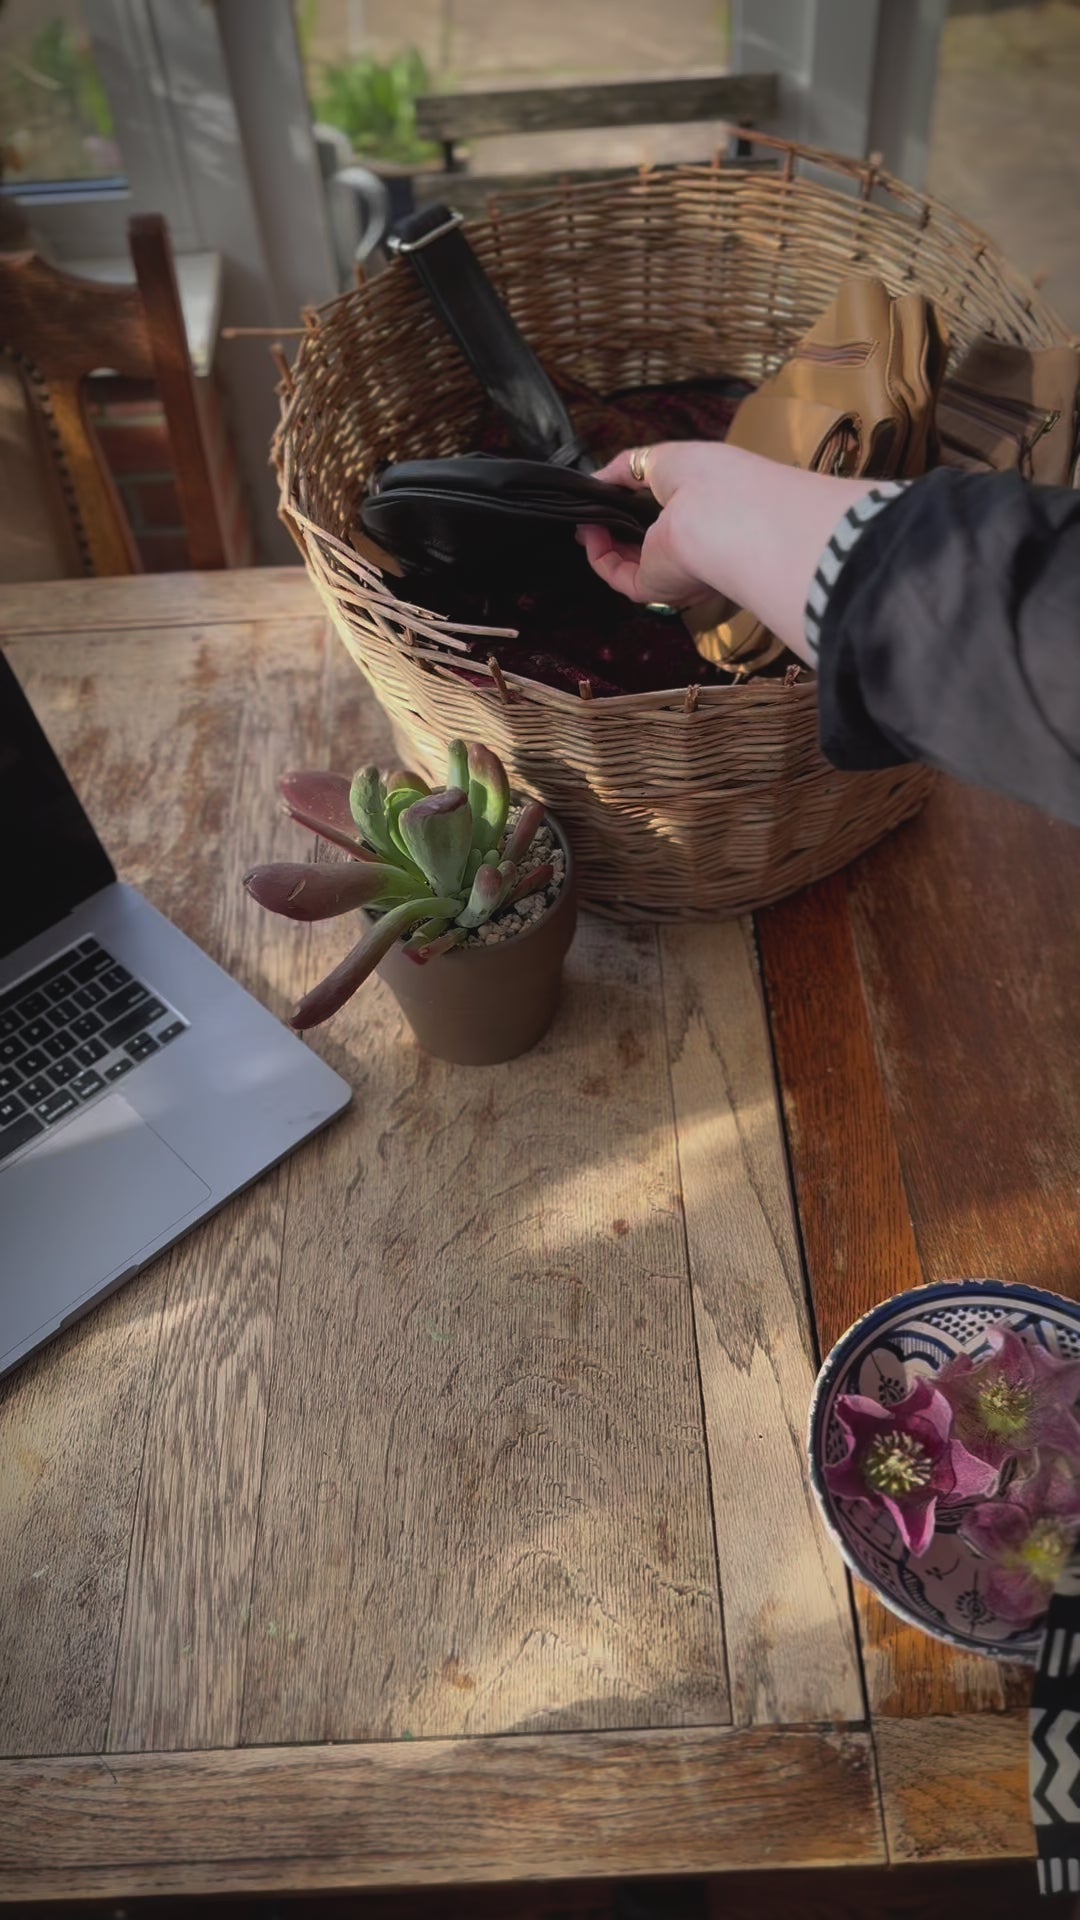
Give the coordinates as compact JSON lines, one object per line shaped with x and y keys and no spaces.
{"x":841,"y":542}
{"x":1055,"y":1741}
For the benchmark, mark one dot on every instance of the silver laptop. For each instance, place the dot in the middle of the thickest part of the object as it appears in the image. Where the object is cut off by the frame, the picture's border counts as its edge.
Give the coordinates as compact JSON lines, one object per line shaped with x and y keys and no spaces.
{"x":139,"y":1085}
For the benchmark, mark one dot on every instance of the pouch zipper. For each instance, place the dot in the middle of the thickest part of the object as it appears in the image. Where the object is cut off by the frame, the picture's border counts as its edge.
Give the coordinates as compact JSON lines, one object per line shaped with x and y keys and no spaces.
{"x":987,"y":407}
{"x":1003,"y":416}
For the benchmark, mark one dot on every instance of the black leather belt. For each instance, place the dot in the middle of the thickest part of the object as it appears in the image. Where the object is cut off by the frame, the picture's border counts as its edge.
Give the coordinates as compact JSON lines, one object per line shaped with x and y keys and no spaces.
{"x":491,"y":342}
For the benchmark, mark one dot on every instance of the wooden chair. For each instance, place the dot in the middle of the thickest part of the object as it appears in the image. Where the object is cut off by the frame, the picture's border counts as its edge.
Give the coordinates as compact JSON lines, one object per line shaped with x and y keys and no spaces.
{"x":743,"y":99}
{"x":57,"y":330}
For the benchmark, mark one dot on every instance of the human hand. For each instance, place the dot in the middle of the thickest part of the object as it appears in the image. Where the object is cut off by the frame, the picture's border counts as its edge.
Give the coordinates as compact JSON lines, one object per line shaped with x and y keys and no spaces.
{"x":732,"y":523}
{"x":670,"y":566}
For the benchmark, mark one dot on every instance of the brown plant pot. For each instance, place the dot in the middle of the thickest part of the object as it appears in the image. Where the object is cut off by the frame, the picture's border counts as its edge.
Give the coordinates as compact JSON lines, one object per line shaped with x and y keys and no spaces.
{"x":480,"y":1005}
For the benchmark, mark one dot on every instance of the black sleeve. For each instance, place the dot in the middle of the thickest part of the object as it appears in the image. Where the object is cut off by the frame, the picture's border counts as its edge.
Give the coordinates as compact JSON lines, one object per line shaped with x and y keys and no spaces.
{"x":952,"y":635}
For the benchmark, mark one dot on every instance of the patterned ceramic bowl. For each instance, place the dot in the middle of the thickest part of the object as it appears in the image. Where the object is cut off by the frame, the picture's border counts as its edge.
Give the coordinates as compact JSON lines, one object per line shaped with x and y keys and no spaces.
{"x":904,"y":1340}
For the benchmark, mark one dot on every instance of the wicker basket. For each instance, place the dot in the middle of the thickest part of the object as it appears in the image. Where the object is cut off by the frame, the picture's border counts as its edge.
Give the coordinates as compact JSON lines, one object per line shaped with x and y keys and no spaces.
{"x":680,"y":805}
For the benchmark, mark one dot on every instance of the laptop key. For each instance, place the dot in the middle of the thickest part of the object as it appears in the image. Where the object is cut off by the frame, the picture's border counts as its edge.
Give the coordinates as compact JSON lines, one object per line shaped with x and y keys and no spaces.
{"x":33,"y":984}
{"x":25,"y":1128}
{"x":122,"y":1030}
{"x":87,"y":1025}
{"x":117,"y":976}
{"x":63,"y":1071}
{"x":132,"y":995}
{"x":33,"y":1062}
{"x":90,"y":995}
{"x":36,"y":1032}
{"x":33,"y":1006}
{"x":10,"y":1049}
{"x":9,"y":1080}
{"x":91,"y":1051}
{"x":118,"y":1067}
{"x":10,"y":1109}
{"x":65,"y":1012}
{"x":141,"y":1047}
{"x":86,"y":1084}
{"x":58,"y":989}
{"x":55,"y":1107}
{"x":9,"y":1023}
{"x":94,"y":964}
{"x":58,"y":1044}
{"x":35,"y":1090}
{"x":170,"y":1032}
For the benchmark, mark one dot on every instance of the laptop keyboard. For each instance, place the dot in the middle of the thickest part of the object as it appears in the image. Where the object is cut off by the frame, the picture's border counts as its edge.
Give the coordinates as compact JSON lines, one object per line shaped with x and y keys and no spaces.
{"x":67,"y":1033}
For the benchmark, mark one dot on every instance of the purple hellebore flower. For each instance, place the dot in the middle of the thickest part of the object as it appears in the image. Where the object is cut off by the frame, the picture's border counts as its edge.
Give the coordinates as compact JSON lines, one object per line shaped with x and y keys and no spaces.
{"x":1016,"y":1400}
{"x":904,"y":1459}
{"x":1028,"y":1537}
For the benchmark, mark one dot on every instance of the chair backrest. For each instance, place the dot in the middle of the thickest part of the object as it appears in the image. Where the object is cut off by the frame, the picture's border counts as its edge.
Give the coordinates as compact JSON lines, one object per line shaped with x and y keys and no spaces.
{"x":58,"y":330}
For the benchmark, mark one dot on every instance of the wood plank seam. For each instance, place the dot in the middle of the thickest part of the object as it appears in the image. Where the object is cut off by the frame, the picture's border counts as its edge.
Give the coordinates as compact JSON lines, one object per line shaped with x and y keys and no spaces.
{"x":136,"y":1490}
{"x":804,"y":1263}
{"x":787,"y":1604}
{"x":694,"y":1318}
{"x":266,"y":1431}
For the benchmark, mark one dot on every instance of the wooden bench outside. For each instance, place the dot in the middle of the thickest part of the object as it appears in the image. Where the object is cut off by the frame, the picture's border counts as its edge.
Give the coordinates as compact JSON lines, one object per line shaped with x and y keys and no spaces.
{"x":454,"y":119}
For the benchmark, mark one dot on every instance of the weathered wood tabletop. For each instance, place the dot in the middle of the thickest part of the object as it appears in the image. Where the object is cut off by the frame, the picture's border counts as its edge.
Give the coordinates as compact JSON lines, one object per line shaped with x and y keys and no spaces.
{"x":438,"y":1511}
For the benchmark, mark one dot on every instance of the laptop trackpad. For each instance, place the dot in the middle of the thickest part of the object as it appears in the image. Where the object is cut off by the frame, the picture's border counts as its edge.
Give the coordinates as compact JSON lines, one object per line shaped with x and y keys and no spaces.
{"x":79,"y":1210}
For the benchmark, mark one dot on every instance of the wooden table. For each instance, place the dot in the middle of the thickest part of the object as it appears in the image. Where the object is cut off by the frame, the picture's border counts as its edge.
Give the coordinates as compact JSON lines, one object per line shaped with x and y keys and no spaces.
{"x":438,"y":1512}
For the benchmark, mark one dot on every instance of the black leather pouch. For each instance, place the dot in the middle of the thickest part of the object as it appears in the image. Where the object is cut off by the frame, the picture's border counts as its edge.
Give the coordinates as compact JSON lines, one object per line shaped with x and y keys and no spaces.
{"x":489,"y":518}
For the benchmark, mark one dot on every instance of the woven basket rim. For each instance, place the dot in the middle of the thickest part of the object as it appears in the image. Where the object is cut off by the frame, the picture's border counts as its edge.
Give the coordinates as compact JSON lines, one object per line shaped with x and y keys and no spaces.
{"x":871,"y":174}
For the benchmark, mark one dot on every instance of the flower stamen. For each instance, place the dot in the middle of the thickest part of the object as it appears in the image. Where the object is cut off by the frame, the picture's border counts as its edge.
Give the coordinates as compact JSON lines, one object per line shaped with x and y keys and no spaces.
{"x":1005,"y":1407}
{"x":1045,"y":1551}
{"x":897,"y":1464}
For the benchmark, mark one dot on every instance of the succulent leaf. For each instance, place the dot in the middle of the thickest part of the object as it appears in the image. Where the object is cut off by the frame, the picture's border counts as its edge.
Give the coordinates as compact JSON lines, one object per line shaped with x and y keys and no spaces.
{"x":401,"y":777}
{"x":368,"y":807}
{"x":484,"y":899}
{"x":458,"y":765}
{"x":423,"y":936}
{"x":452,"y":938}
{"x":437,"y":831}
{"x":396,"y":804}
{"x":339,"y":986}
{"x":489,"y":796}
{"x":524,"y":831}
{"x":320,"y":801}
{"x":321,"y":889}
{"x":531,"y":883}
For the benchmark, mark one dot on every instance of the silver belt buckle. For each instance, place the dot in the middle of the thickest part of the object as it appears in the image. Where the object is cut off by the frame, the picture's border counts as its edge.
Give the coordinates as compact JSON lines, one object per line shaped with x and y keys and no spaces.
{"x":396,"y":245}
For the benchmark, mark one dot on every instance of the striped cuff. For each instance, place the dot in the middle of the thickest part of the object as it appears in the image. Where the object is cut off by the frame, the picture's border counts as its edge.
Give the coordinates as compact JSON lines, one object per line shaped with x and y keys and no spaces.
{"x":843,"y":539}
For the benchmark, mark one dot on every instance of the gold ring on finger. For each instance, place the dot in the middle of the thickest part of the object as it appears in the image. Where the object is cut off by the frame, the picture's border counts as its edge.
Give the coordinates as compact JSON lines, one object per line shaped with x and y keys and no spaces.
{"x":637,"y":463}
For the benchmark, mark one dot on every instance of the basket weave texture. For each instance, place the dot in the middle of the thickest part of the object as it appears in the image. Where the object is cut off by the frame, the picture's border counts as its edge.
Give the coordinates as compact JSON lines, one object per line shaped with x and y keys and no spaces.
{"x":679,"y":805}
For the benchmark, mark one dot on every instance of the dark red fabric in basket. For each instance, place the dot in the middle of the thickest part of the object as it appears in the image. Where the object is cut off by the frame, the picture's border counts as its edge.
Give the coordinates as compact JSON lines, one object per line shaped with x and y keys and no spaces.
{"x":587,"y":635}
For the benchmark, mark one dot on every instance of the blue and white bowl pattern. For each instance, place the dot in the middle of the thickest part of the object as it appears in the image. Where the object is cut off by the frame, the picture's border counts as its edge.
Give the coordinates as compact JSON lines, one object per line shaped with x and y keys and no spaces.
{"x":905,"y":1339}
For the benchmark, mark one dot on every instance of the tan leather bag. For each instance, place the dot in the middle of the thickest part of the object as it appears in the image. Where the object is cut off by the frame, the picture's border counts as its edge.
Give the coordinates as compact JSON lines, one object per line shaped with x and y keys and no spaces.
{"x":1010,"y":409}
{"x":857,"y":398}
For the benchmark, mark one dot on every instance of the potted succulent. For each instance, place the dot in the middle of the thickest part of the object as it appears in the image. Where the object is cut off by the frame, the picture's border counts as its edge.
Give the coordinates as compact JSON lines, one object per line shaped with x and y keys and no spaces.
{"x":467,"y":895}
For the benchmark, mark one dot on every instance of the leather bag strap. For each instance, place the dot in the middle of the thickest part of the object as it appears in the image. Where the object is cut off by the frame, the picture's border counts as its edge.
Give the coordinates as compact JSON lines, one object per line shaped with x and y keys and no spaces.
{"x":498,"y":353}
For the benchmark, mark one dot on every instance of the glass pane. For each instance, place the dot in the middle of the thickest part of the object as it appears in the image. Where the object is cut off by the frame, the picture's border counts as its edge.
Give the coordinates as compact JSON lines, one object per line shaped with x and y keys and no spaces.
{"x":366,"y":60}
{"x":1004,"y":148}
{"x":55,"y":122}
